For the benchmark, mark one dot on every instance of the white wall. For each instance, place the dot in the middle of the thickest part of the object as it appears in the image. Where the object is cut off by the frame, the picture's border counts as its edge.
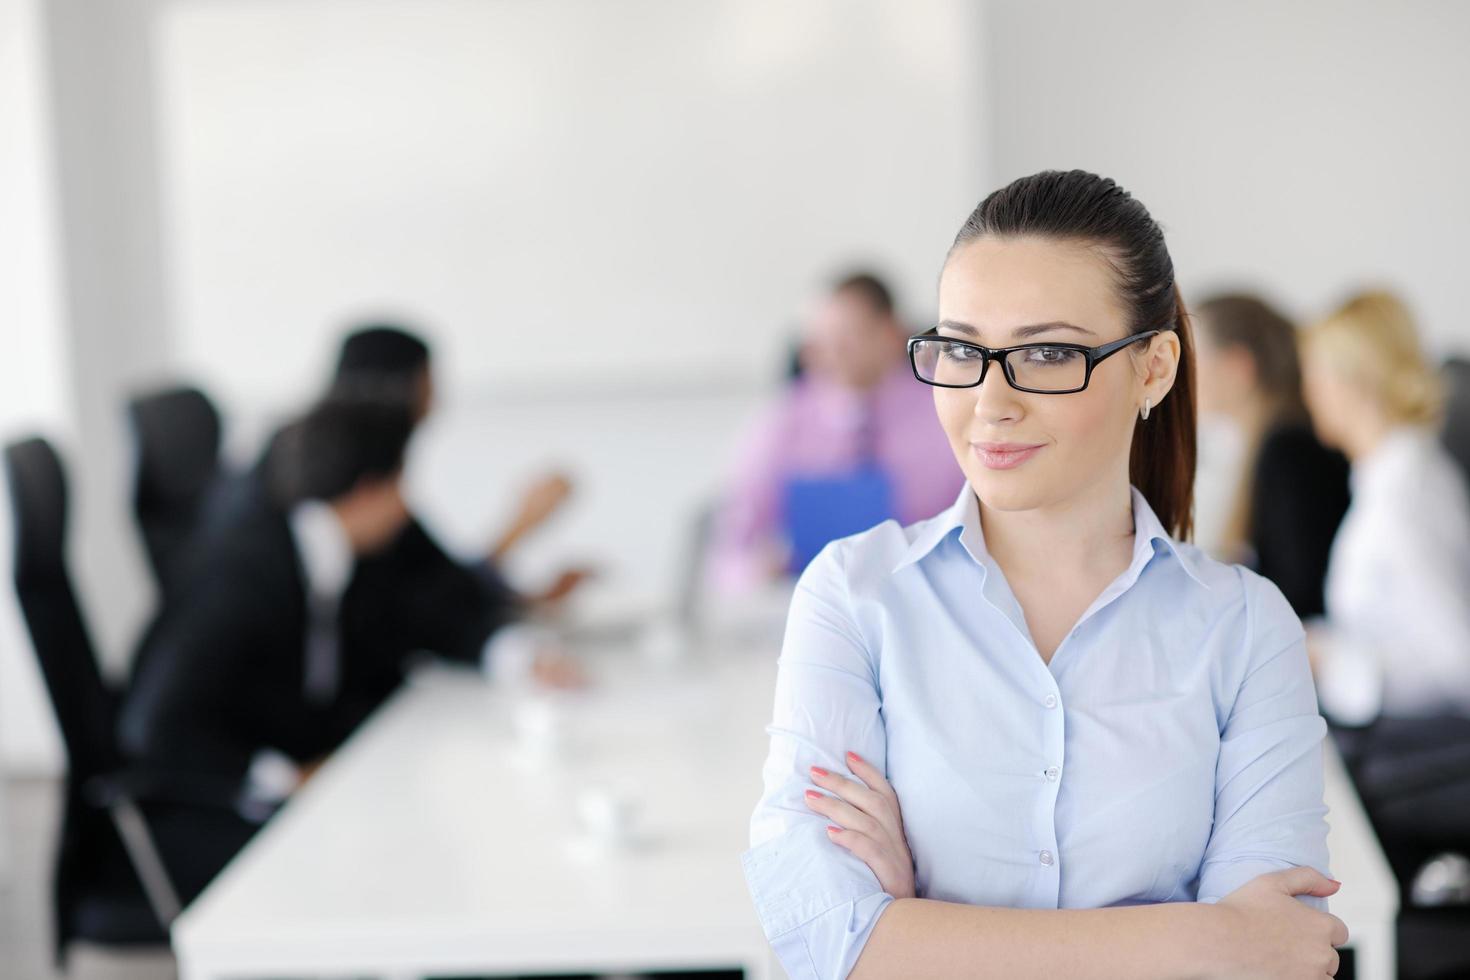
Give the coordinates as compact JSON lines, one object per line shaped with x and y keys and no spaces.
{"x":33,"y":393}
{"x":235,"y":178}
{"x":608,"y":215}
{"x":117,"y":331}
{"x":1301,"y":147}
{"x":83,"y":296}
{"x":656,"y":184}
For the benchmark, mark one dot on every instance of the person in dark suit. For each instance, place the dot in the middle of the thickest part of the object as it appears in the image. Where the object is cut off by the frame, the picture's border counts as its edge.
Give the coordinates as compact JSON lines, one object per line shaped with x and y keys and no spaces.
{"x":1293,"y":492}
{"x":386,"y":362}
{"x":284,"y":635}
{"x":411,"y":594}
{"x":222,"y":671}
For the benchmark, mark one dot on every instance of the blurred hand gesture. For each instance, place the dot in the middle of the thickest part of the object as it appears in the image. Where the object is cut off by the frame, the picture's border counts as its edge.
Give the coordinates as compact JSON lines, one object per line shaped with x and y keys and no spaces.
{"x":563,"y":585}
{"x":542,"y":499}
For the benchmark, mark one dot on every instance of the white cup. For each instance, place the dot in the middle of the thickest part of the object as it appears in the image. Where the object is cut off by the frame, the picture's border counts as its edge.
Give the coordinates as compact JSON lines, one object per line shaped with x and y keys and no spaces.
{"x":607,"y":815}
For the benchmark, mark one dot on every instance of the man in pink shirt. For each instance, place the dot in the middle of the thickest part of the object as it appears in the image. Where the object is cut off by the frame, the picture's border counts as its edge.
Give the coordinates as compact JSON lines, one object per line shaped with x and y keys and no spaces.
{"x":855,"y":439}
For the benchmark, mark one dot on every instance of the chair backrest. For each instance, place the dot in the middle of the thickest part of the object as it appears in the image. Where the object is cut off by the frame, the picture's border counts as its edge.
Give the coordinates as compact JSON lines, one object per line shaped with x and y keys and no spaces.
{"x":178,"y":460}
{"x":1456,"y":431}
{"x":84,"y":706}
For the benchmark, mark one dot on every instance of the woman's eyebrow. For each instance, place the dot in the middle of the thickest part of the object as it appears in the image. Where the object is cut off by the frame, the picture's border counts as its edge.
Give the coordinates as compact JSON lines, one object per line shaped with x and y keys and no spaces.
{"x":1036,"y":328}
{"x":1020,"y":332}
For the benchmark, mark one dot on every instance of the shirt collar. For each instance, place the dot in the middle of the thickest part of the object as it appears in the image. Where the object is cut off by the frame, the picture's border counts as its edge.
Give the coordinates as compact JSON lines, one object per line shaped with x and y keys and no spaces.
{"x":964,"y":516}
{"x":325,"y":552}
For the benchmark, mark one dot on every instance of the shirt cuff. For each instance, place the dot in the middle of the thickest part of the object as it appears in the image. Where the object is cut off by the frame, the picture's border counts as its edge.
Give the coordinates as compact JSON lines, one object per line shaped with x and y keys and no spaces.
{"x":817,"y":903}
{"x":272,"y":776}
{"x":829,"y":945}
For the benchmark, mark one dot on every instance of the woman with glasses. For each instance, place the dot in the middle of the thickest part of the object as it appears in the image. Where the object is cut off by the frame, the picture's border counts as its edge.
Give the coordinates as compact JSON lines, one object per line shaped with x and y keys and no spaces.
{"x":1039,"y":734}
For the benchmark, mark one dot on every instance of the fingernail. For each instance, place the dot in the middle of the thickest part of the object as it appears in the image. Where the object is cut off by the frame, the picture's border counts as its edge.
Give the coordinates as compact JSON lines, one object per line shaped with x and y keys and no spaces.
{"x":812,"y":794}
{"x":833,"y":830}
{"x":819,"y":771}
{"x":854,"y":757}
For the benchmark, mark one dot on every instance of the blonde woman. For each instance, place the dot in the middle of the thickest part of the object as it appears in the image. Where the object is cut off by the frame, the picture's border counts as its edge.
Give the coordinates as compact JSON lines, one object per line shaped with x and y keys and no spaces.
{"x":1397,"y":638}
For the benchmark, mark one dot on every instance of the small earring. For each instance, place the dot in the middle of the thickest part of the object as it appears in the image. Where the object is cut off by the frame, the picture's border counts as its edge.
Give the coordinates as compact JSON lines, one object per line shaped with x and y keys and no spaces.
{"x":1146,"y":406}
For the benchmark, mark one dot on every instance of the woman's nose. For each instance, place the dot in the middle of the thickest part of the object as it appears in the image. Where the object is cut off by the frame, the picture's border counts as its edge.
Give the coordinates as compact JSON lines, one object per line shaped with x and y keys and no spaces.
{"x":995,"y":399}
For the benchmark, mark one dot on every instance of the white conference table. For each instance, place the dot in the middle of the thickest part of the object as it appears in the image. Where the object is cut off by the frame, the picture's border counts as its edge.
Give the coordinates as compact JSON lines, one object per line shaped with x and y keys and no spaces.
{"x":435,"y":843}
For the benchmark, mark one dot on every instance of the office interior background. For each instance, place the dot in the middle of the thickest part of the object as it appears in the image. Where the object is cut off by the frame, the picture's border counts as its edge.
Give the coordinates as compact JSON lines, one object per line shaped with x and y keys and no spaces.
{"x":609,"y":219}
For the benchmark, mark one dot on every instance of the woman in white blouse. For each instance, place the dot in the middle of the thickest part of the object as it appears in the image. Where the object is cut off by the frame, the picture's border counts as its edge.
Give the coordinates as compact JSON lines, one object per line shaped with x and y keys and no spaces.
{"x":1396,"y":642}
{"x":1038,"y":735}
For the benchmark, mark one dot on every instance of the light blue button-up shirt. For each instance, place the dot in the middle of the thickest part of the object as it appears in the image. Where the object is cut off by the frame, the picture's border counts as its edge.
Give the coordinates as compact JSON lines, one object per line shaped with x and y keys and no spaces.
{"x":1171,"y":750}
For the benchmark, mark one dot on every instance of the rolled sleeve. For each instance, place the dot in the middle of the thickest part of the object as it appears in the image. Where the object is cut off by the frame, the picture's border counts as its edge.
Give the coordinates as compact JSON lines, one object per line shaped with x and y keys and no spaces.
{"x":1269,"y":810}
{"x":817,"y":902}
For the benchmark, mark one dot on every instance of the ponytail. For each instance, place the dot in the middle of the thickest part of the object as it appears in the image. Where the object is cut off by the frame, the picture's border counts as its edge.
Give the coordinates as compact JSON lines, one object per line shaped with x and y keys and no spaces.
{"x":1162,"y":461}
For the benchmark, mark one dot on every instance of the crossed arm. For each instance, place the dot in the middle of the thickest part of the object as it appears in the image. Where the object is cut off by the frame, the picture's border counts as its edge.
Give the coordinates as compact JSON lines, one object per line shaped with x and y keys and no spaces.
{"x":833,"y":877}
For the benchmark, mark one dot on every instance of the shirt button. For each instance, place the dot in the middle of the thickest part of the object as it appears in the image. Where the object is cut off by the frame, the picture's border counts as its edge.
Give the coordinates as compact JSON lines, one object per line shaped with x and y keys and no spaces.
{"x":1046,"y":858}
{"x":1051,"y":774}
{"x":1051,"y":701}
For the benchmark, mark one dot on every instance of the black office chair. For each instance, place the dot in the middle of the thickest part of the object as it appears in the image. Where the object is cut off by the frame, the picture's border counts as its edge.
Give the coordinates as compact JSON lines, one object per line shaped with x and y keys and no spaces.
{"x":110,"y":885}
{"x":1410,"y":775}
{"x":177,"y":433}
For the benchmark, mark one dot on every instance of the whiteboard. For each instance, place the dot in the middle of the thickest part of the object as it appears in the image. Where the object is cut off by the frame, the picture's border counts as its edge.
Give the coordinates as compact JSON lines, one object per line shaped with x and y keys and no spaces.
{"x":564,"y":192}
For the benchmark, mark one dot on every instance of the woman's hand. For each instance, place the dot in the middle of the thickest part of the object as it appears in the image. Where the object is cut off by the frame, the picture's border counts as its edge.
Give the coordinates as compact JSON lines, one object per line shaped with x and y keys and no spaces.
{"x":866,"y":820}
{"x":1269,"y":934}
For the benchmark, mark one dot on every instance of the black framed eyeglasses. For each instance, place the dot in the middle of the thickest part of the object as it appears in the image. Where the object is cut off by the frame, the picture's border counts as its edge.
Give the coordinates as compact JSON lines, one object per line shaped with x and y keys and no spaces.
{"x":1044,"y":369}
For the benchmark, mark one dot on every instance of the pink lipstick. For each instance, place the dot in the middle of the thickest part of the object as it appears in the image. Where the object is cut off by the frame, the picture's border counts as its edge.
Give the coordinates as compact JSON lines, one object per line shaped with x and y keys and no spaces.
{"x":1004,"y":455}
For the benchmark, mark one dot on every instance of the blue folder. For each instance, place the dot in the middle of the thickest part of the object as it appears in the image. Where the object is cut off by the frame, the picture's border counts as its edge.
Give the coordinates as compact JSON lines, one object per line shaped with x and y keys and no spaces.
{"x":821,"y":509}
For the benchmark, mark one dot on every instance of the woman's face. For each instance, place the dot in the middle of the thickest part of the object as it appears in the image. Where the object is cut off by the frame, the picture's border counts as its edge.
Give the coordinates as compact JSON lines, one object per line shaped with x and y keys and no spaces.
{"x":1332,"y":401}
{"x":1019,"y":450}
{"x":1225,"y":376}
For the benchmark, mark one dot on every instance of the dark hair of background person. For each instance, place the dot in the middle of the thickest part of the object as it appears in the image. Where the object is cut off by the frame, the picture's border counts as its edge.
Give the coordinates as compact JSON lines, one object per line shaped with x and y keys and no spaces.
{"x":382,"y":362}
{"x":339,"y":442}
{"x":869,"y":286}
{"x":1251,"y":324}
{"x":381,"y":350}
{"x":1079,"y":206}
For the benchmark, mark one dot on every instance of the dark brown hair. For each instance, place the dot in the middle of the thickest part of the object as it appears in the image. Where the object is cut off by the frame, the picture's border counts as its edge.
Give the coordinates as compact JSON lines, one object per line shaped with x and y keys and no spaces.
{"x":1079,"y":206}
{"x":868,"y":285}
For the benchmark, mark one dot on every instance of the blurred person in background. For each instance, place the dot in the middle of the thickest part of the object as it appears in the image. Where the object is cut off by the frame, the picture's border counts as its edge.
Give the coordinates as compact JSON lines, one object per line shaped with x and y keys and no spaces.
{"x":272,"y":653}
{"x":387,"y":362}
{"x":853,"y":441}
{"x":1392,"y":658}
{"x":1397,"y":634}
{"x":411,"y":584}
{"x":412,"y":577}
{"x":1292,"y":491}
